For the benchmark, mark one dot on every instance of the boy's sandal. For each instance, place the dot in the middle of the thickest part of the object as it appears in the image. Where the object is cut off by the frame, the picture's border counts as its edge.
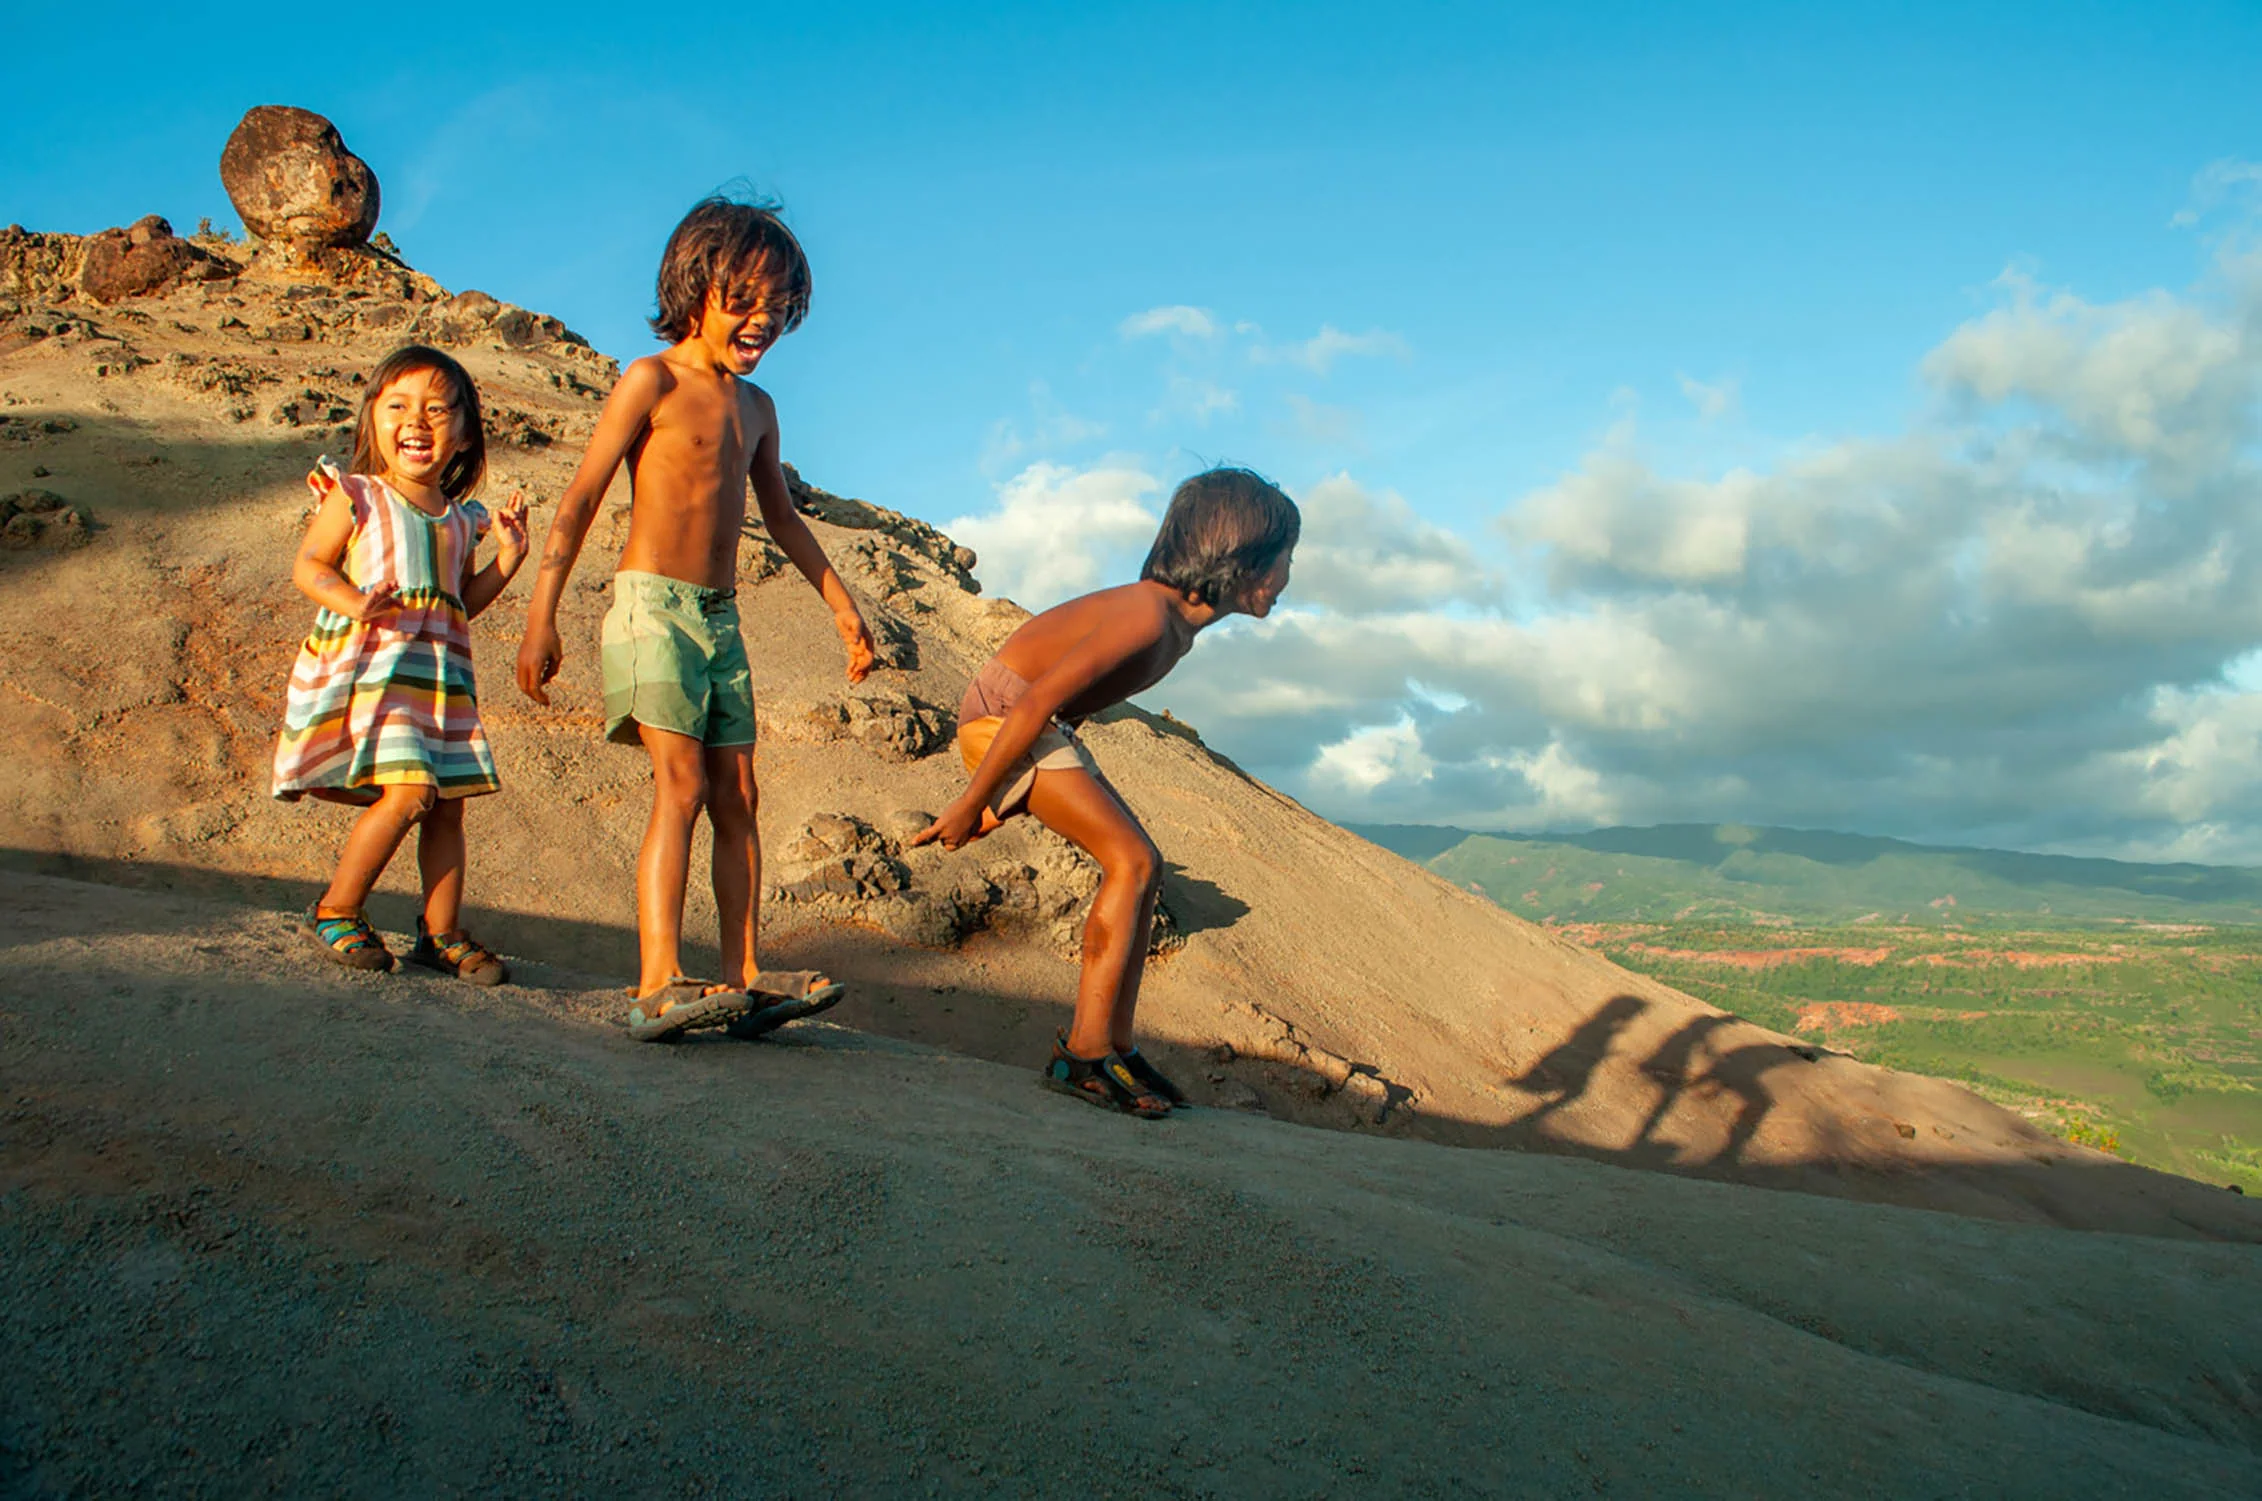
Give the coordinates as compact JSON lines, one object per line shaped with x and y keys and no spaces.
{"x":457,"y":954}
{"x":1106,"y":1081}
{"x":683,"y":1005}
{"x":348,"y":940}
{"x":1154,"y":1078}
{"x":785,"y":995}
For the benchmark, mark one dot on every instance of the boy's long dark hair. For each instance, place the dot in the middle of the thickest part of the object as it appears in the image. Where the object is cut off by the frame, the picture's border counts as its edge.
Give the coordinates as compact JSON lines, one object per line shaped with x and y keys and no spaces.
{"x":725,"y":244}
{"x":468,"y":466}
{"x":1225,"y":528}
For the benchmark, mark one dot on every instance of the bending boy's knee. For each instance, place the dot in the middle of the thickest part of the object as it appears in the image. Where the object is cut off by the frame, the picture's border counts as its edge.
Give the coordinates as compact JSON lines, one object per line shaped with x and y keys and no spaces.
{"x":1138,"y":864}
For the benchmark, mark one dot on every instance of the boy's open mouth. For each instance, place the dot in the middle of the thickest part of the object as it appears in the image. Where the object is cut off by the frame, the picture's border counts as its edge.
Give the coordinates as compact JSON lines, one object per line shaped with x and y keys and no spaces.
{"x":748,"y":346}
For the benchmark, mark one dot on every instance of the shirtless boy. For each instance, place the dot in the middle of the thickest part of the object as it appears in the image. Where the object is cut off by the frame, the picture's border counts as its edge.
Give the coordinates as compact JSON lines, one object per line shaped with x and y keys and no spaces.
{"x":693,"y":431}
{"x":1223,"y":550}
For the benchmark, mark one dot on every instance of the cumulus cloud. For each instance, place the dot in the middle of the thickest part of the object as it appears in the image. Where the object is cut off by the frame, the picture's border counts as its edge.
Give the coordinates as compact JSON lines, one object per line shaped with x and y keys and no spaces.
{"x":1056,"y":531}
{"x":1712,"y":399}
{"x":1193,"y":322}
{"x":1363,"y":552}
{"x":1319,"y":353}
{"x":2015,"y":621}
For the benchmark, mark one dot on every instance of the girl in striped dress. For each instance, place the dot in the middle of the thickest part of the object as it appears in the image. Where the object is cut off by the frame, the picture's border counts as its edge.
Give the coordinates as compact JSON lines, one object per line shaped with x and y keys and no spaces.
{"x":383,"y":712}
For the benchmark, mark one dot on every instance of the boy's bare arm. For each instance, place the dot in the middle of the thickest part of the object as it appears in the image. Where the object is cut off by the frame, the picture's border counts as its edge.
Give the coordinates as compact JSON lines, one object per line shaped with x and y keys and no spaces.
{"x":1114,"y":641}
{"x":794,"y":538}
{"x":627,"y":411}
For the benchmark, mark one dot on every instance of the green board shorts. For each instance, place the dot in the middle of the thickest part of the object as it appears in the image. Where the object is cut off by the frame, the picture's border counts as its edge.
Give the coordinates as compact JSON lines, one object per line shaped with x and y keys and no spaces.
{"x":672,"y":659}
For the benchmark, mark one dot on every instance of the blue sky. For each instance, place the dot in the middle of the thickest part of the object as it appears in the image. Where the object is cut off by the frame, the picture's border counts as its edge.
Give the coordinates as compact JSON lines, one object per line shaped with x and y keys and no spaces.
{"x":1436,"y":269}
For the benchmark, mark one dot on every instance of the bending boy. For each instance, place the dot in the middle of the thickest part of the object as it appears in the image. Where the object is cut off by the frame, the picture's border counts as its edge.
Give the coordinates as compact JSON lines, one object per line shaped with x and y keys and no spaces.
{"x":693,"y":431}
{"x":1223,"y":550}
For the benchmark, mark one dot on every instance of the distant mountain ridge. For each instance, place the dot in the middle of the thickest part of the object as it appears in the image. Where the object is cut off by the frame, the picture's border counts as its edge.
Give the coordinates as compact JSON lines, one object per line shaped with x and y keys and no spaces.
{"x":1743,"y":872}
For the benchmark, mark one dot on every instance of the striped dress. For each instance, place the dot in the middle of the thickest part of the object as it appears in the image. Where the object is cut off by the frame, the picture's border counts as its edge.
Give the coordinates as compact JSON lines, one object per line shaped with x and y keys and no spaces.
{"x":393,"y":701}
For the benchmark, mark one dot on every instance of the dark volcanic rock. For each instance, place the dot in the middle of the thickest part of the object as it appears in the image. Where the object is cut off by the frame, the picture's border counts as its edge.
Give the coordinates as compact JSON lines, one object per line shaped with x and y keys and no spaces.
{"x":146,"y":258}
{"x":290,"y":176}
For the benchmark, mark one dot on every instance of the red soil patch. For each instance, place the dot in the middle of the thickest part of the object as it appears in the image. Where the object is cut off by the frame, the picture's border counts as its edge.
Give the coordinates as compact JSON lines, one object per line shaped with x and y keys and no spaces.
{"x":1763,"y":958}
{"x":2017,"y":958}
{"x":1826,"y":1016}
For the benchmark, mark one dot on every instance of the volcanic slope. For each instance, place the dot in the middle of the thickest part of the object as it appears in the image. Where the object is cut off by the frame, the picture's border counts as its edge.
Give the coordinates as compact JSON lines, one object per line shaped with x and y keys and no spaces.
{"x":155,"y":449}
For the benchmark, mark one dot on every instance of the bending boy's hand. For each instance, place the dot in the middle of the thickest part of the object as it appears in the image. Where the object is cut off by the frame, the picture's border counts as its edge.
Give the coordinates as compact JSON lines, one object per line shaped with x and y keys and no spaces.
{"x":958,"y":825}
{"x":857,"y":637}
{"x":540,"y":655}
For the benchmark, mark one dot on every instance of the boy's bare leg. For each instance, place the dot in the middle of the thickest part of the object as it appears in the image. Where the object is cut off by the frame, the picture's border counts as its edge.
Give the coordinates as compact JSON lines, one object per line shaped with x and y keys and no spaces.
{"x":440,"y":860}
{"x":663,"y":863}
{"x":732,"y":802}
{"x":1075,"y":806}
{"x":370,"y":845}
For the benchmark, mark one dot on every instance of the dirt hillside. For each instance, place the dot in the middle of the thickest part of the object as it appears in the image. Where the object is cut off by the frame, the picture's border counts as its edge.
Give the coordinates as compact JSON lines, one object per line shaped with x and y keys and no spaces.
{"x":276,"y":1229}
{"x":152,"y":444}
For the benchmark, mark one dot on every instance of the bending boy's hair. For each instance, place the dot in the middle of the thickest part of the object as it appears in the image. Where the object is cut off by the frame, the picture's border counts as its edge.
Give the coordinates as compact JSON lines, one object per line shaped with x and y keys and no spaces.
{"x":465,"y":469}
{"x":731,"y":248}
{"x":1225,"y":528}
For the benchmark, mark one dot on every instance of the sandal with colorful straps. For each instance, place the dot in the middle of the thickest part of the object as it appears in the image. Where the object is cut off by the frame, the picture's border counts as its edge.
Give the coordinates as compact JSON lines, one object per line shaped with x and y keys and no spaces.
{"x":1106,"y":1081}
{"x":347,"y":939}
{"x":458,"y":954}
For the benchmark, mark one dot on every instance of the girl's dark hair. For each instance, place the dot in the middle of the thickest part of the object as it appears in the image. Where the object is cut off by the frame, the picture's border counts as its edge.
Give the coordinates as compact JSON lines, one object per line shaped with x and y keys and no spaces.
{"x":468,"y":465}
{"x":730,"y":247}
{"x":1225,"y":528}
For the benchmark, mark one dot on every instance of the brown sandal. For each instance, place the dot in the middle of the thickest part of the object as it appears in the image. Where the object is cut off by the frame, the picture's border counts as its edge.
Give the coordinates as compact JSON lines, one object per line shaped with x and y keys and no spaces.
{"x":457,"y":954}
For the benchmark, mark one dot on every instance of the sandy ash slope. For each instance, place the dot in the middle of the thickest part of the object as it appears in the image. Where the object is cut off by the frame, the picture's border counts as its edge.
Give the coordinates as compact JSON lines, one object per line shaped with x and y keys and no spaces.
{"x":271,"y":1227}
{"x":152,"y":449}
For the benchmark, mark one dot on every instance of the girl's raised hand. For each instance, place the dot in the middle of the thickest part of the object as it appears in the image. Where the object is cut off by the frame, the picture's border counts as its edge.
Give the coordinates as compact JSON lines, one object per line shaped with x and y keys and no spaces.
{"x":510,"y":524}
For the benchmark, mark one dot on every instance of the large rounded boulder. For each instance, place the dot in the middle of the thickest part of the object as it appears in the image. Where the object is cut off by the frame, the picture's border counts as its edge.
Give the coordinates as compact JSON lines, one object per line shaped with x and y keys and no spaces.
{"x":293,"y":181}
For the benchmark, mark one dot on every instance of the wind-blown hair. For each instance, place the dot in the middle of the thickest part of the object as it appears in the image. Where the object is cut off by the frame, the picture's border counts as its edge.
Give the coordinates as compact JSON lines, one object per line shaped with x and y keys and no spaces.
{"x":732,"y":248}
{"x":468,"y":465}
{"x":1225,"y":528}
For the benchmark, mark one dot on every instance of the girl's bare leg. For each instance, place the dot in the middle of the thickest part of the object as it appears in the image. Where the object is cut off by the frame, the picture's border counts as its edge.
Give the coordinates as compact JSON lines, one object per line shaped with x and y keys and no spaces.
{"x":1082,"y":811}
{"x":732,"y":802}
{"x":370,"y":845}
{"x":663,"y":864}
{"x":440,"y":861}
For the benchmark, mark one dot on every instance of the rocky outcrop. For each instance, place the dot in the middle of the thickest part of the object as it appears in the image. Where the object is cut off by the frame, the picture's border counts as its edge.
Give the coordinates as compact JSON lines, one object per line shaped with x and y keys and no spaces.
{"x":41,"y":518}
{"x":142,"y":260}
{"x":846,"y":869}
{"x":296,"y":186}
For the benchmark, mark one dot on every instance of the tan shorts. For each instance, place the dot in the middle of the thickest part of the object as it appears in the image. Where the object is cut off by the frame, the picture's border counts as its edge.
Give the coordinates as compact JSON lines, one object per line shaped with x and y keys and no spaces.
{"x":1054,"y":750}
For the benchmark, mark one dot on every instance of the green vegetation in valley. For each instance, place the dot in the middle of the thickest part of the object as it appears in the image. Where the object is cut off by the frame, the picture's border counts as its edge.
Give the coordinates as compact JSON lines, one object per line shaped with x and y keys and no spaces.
{"x":1735,"y":873}
{"x":2144,"y":1040}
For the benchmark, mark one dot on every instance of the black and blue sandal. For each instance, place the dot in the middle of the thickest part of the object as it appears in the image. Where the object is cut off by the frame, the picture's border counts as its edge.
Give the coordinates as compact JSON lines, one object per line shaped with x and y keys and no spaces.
{"x":348,"y":940}
{"x":785,"y":995}
{"x":457,"y":954}
{"x":1154,"y":1078}
{"x":1105,"y":1081}
{"x":684,"y":1005}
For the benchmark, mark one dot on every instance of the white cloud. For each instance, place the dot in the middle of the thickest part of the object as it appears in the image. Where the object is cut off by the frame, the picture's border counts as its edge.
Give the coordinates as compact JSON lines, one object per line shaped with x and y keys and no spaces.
{"x":2216,"y":183}
{"x":1197,"y":399}
{"x":1319,"y":353}
{"x":2032,"y":617}
{"x":1193,"y":322}
{"x":1056,"y":531}
{"x":1712,"y":399}
{"x":1361,"y":552}
{"x":1365,"y":759}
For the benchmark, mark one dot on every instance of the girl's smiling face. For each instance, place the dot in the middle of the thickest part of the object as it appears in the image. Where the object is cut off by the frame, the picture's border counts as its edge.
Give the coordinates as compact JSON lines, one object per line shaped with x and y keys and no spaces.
{"x":418,"y":425}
